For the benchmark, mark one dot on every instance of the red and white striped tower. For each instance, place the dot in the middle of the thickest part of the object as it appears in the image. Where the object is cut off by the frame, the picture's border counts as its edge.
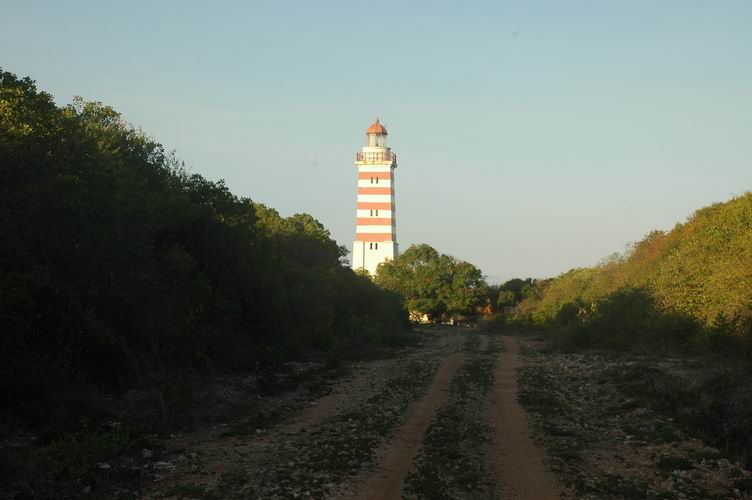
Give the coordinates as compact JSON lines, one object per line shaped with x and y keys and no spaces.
{"x":376,"y":226}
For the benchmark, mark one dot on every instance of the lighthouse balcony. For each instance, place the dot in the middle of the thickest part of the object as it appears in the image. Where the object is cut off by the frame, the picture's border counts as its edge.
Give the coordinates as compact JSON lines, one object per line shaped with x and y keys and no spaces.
{"x":376,"y":157}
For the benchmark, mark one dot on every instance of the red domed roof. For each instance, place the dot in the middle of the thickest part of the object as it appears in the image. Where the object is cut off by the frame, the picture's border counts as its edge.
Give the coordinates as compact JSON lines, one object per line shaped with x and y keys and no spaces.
{"x":376,"y":128}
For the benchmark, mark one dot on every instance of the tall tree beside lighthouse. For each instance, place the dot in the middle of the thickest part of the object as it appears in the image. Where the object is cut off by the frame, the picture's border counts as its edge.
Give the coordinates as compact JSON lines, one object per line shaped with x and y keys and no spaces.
{"x":376,"y":224}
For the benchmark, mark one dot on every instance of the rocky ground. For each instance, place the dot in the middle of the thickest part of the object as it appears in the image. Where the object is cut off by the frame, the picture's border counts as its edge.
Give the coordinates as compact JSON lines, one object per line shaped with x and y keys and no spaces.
{"x":420,"y":424}
{"x":318,"y":452}
{"x":437,"y":420}
{"x":605,"y":443}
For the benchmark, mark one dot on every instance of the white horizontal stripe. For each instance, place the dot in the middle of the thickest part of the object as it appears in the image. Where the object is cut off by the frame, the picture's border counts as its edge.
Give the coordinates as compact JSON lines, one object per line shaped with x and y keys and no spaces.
{"x":383,"y":214}
{"x":375,"y":198}
{"x":373,"y":229}
{"x":366,"y":183}
{"x":374,"y":168}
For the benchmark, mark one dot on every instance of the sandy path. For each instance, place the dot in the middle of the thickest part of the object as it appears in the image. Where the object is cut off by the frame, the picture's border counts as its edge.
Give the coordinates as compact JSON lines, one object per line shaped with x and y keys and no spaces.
{"x":518,"y":461}
{"x":396,"y":460}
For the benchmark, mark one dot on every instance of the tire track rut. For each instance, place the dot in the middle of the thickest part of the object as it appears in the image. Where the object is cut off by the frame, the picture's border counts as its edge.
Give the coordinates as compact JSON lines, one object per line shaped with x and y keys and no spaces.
{"x":519,"y":462}
{"x":398,"y":457}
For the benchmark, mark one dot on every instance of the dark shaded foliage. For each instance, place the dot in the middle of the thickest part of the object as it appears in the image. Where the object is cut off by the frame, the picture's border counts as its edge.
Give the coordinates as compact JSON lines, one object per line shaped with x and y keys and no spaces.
{"x":625,"y":320}
{"x":118,"y":270}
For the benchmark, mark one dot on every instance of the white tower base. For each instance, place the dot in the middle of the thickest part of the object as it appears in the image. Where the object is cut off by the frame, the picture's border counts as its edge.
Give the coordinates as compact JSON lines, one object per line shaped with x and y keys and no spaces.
{"x":368,"y":255}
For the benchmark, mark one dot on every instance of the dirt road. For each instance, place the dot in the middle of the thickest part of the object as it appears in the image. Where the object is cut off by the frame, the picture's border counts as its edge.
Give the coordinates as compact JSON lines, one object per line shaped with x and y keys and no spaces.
{"x":460,"y":413}
{"x":519,"y":468}
{"x":519,"y":462}
{"x":397,"y":458}
{"x":437,"y":420}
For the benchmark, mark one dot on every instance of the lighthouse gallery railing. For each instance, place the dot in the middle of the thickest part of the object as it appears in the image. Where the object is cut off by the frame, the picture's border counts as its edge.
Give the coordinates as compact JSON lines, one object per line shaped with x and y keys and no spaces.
{"x":387,"y":156}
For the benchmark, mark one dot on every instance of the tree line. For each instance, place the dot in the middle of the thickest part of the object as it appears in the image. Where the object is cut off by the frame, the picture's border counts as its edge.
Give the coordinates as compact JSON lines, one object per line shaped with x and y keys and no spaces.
{"x":120,"y":270}
{"x":688,"y":289}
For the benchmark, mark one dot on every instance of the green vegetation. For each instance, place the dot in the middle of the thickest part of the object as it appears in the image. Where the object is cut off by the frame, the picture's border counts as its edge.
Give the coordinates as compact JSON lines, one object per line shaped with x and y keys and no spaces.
{"x":513,"y":292}
{"x":121,"y":273}
{"x":689,"y":289}
{"x":231,"y":484}
{"x":744,"y":484}
{"x":434,"y":284}
{"x":668,"y":464}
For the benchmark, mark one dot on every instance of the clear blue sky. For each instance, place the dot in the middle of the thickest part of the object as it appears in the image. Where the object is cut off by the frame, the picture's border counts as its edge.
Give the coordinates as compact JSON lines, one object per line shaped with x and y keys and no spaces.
{"x":533,"y":136}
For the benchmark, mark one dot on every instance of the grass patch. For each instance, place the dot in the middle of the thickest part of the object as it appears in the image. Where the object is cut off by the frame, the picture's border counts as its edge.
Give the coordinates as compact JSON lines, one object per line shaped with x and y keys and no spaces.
{"x":668,"y":464}
{"x":555,"y":430}
{"x":186,"y":491}
{"x":232,"y":484}
{"x":705,"y":454}
{"x":472,"y":342}
{"x":70,"y":462}
{"x":744,"y":484}
{"x":567,"y":452}
{"x":659,"y":432}
{"x":622,"y":487}
{"x":77,"y":455}
{"x":535,"y":390}
{"x":258,"y":419}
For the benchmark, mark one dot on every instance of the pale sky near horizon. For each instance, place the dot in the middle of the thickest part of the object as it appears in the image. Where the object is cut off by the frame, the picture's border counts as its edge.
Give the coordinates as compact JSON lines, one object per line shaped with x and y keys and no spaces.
{"x":532,"y":136}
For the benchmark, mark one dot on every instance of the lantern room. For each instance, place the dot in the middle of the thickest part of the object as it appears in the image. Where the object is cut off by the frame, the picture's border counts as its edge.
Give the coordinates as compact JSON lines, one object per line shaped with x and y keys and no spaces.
{"x":376,"y":135}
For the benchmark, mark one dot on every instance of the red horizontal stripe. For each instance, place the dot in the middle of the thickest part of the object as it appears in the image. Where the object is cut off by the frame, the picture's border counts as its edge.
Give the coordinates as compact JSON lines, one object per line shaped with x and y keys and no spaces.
{"x":375,"y":190}
{"x":373,"y":237}
{"x":374,"y":221}
{"x":375,"y":175}
{"x":375,"y":205}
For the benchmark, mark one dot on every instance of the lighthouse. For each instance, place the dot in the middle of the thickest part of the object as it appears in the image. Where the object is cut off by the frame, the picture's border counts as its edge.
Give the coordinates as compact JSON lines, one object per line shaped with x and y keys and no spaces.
{"x":376,"y":222}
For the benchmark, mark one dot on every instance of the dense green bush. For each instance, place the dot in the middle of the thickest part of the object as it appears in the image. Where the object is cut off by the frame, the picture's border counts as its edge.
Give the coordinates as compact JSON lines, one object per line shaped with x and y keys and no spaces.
{"x":626,"y":319}
{"x":119,"y":270}
{"x":690,"y":288}
{"x":435,"y":285}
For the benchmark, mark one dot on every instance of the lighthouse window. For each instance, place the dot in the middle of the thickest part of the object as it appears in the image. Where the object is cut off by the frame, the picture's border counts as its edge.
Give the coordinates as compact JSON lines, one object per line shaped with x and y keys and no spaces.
{"x":377,"y":246}
{"x":370,"y":246}
{"x":377,"y":212}
{"x":377,"y":180}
